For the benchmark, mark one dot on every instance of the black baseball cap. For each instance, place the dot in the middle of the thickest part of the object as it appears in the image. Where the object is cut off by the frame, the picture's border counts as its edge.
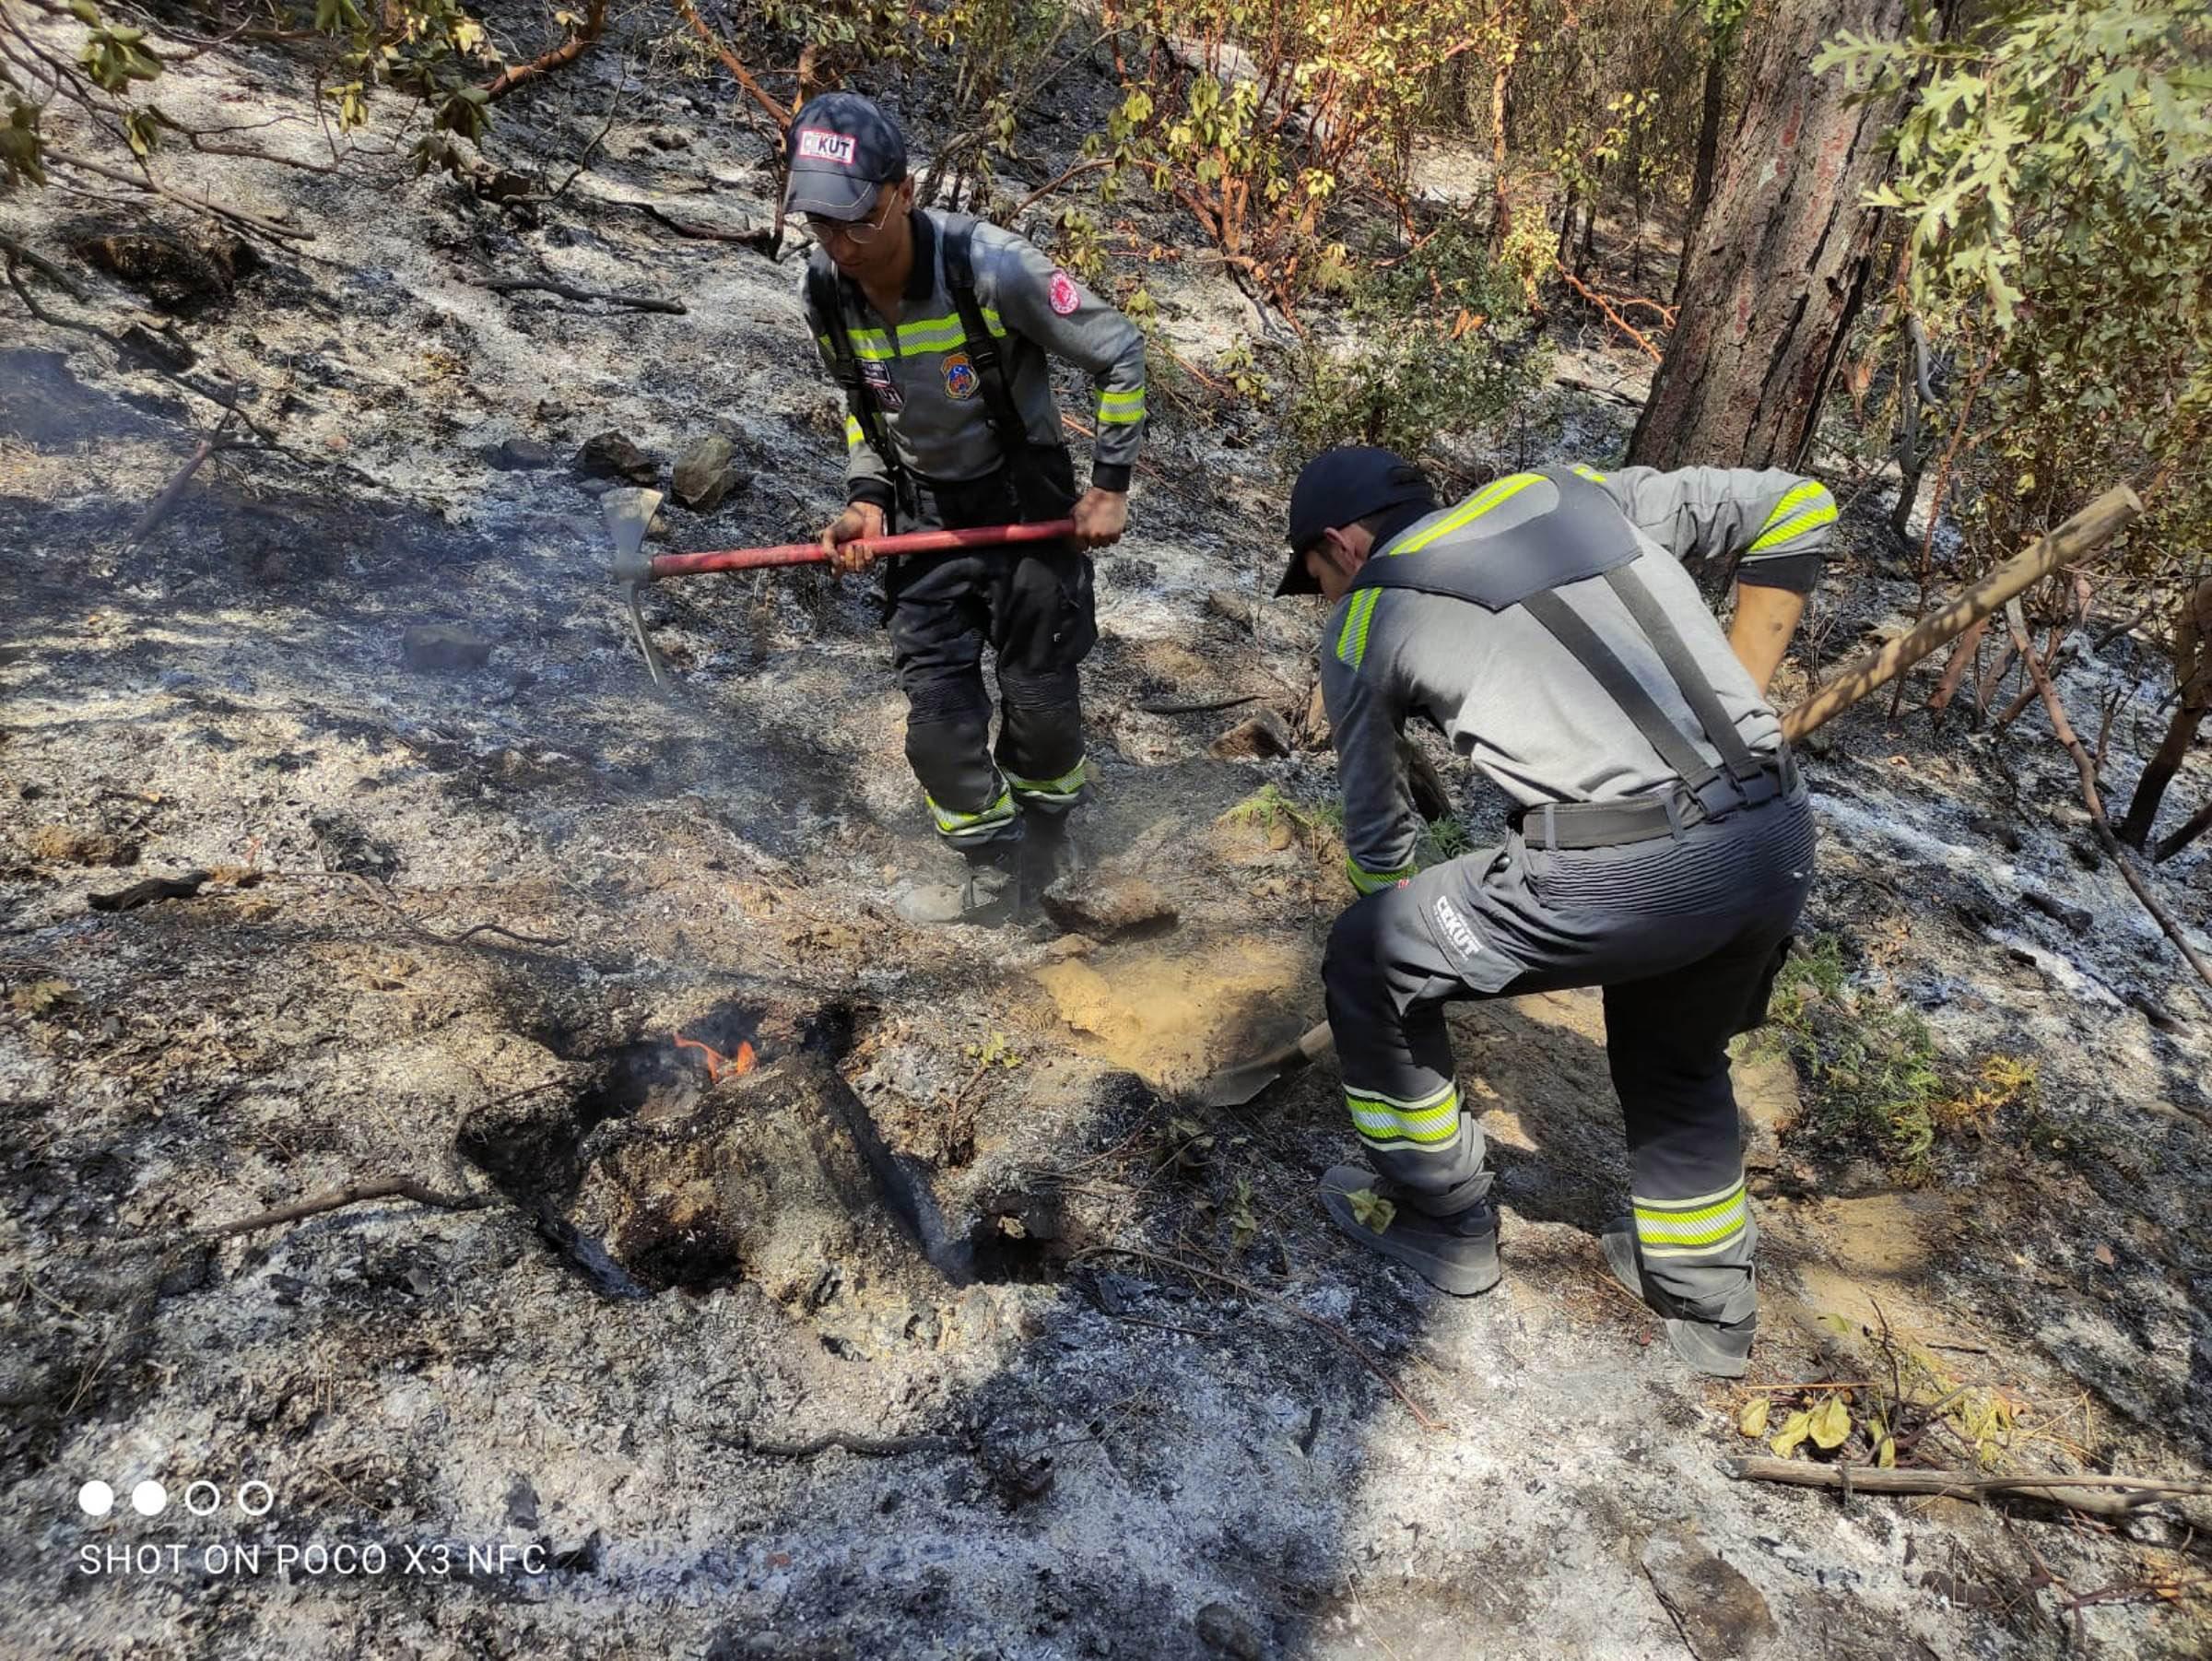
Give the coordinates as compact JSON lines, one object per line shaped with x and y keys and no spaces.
{"x":1338,"y":487}
{"x":842,"y":149}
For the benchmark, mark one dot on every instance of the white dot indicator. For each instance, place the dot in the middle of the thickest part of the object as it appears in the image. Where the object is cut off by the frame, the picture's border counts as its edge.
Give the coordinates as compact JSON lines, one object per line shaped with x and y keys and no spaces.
{"x":149,"y":1499}
{"x":96,"y":1499}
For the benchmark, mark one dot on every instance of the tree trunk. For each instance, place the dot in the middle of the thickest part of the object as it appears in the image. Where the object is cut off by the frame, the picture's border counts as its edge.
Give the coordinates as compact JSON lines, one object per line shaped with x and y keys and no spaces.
{"x":1633,"y":162}
{"x":1717,"y":54}
{"x":1780,"y":259}
{"x":2192,"y":674}
{"x":1501,"y":206}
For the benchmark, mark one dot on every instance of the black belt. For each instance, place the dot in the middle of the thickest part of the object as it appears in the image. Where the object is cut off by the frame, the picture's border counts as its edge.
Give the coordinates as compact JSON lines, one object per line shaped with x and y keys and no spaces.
{"x":1646,"y":818}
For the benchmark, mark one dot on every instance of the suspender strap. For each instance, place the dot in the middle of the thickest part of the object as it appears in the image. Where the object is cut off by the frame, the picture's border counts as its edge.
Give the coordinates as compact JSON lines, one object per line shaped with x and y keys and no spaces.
{"x":1689,"y":679}
{"x":1619,"y":684}
{"x":1006,"y":425}
{"x":821,"y":291}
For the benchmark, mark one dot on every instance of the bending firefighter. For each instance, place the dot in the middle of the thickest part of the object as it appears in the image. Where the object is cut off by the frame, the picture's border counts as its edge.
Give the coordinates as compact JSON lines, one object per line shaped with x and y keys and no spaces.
{"x":937,"y":327}
{"x":1662,"y":850}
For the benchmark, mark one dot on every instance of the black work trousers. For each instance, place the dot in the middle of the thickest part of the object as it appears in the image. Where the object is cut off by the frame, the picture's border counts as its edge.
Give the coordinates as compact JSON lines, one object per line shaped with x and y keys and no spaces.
{"x":1031,"y":604}
{"x":1683,"y":935}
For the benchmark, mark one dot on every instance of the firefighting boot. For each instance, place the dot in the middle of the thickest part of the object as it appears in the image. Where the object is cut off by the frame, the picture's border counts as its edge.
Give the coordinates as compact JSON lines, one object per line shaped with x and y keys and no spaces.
{"x":1718,"y":1349}
{"x":1457,"y":1253}
{"x":1049,"y":853}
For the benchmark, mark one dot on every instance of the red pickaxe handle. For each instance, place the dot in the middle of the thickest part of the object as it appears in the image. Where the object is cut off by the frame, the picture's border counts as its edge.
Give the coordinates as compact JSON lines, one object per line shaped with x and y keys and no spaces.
{"x":810,"y":553}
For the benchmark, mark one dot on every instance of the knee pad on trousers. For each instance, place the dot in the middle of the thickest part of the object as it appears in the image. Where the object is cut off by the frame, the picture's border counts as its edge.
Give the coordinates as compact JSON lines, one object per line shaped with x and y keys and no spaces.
{"x":1041,"y":692}
{"x":1354,"y":955}
{"x":948,"y":699}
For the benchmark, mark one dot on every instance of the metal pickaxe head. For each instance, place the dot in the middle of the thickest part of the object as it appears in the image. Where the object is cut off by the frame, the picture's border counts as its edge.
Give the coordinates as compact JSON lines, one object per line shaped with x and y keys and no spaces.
{"x":628,"y":515}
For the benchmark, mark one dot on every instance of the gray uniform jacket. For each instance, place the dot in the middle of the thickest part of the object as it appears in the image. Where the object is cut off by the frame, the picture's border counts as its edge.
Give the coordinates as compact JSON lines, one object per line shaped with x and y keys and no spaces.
{"x":928,"y":392}
{"x":1515,"y":702}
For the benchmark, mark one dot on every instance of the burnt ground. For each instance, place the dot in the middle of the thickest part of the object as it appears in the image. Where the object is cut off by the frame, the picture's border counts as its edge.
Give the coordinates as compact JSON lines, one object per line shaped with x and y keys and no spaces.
{"x":1094,"y":1376}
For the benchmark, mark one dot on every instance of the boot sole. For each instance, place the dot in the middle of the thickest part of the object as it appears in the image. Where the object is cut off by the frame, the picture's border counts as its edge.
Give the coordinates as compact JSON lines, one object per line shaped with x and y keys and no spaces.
{"x":1690,"y":1340}
{"x":1461,"y":1280}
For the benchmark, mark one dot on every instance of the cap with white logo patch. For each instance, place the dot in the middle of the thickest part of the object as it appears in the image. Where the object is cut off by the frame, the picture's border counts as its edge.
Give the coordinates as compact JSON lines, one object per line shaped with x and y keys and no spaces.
{"x":842,"y":150}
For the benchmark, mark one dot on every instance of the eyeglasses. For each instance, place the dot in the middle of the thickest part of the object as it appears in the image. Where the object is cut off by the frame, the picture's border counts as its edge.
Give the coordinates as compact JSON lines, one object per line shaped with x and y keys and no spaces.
{"x":860,"y":231}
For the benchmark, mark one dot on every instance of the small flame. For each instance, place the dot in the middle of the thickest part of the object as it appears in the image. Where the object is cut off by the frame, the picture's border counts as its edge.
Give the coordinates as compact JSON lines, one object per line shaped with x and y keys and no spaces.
{"x":720,"y":1066}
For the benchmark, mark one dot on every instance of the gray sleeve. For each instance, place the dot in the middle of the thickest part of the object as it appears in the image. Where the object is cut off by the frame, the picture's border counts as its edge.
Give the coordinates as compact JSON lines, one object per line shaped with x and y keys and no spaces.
{"x":1771,"y":528}
{"x":1366,"y":714}
{"x":1032,"y":295}
{"x":867,"y":476}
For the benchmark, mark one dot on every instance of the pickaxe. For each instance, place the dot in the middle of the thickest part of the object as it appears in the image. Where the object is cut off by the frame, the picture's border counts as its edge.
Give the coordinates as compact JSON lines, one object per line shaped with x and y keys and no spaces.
{"x":629,"y":515}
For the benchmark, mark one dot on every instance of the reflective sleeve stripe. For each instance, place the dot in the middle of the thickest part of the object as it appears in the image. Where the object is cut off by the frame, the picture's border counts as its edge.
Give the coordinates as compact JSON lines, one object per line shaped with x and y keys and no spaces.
{"x":1065,"y":788}
{"x":1690,"y":1227}
{"x":1351,"y":643}
{"x":1378,"y":1118}
{"x":953,"y":824}
{"x":1372,"y":882}
{"x":854,"y":435}
{"x":1494,"y":494}
{"x":1121,"y":408}
{"x":1805,"y":508}
{"x":1592,"y":474}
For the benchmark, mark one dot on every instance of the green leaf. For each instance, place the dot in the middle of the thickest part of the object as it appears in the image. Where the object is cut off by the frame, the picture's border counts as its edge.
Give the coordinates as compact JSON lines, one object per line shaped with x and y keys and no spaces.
{"x":1795,"y":1430}
{"x":1830,"y":1423}
{"x":1370,"y":1210}
{"x":1885,"y":1456}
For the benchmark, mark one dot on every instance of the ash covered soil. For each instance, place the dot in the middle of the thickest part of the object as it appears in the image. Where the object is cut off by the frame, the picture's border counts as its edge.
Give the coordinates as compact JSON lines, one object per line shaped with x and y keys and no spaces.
{"x":925,"y":1321}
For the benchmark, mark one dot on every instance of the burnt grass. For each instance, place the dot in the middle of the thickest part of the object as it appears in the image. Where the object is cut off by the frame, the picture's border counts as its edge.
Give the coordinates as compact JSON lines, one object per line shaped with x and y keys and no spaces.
{"x":943,"y":1328}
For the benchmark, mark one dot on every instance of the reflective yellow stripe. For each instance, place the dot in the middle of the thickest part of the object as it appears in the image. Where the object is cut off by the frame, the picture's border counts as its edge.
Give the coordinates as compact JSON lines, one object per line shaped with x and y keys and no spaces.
{"x":1351,"y":644}
{"x":854,"y":435}
{"x":1681,"y":1228}
{"x":1378,"y":1118}
{"x":929,"y":336}
{"x":1493,"y":495}
{"x":1121,"y":408}
{"x":1066,"y":787}
{"x":1592,"y":474}
{"x":1786,"y":521}
{"x":1652,"y":1252}
{"x":1696,"y":1202}
{"x":1809,"y":520}
{"x":1371,"y":882}
{"x":950,"y":824}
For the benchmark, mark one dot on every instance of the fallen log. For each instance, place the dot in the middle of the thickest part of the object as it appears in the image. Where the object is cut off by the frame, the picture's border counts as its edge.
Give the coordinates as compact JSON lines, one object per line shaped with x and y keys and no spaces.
{"x":2198,"y":823}
{"x":636,"y":302}
{"x":568,"y":52}
{"x":352,"y":1193}
{"x":2074,"y":1493}
{"x":186,"y":887}
{"x":2085,"y":532}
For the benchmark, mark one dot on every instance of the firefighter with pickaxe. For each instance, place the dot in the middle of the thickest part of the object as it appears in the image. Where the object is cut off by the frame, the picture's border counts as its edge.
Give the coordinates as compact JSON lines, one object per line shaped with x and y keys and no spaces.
{"x":937,"y":328}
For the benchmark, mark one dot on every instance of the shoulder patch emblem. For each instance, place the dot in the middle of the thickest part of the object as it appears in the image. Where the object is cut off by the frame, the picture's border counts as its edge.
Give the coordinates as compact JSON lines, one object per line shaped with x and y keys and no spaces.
{"x":960,"y":379}
{"x":1064,"y":294}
